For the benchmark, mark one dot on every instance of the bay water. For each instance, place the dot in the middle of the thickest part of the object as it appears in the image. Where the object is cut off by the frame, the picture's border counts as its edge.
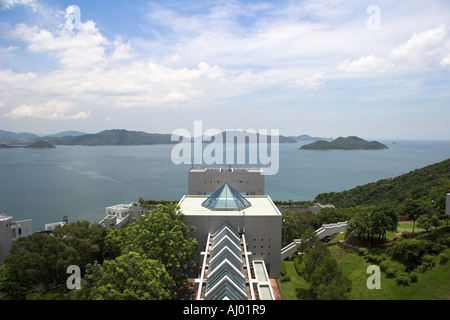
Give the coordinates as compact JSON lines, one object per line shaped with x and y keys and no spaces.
{"x":78,"y":181}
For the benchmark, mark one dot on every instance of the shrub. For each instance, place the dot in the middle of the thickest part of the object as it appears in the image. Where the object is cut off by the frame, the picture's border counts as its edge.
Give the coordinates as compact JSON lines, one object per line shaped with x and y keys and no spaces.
{"x":410,"y":251}
{"x":391,"y":267}
{"x":283,"y":268}
{"x":285,"y":278}
{"x":445,"y":240}
{"x":363,"y":251}
{"x":376,"y":258}
{"x":413,"y":275}
{"x":443,"y":257}
{"x":428,"y":261}
{"x":299,"y":267}
{"x":403,"y":278}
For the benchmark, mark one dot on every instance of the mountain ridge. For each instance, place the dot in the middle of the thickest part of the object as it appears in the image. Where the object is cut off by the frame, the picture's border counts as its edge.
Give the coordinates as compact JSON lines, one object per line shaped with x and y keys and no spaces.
{"x":348,"y":143}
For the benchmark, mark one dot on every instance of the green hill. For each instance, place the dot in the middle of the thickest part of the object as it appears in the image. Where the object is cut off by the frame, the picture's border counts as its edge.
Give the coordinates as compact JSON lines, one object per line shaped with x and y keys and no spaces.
{"x":349,"y":143}
{"x":40,"y":144}
{"x":414,"y":185}
{"x":113,"y":138}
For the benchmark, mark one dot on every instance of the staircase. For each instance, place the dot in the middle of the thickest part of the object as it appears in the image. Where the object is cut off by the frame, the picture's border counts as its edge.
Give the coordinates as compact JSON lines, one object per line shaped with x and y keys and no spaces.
{"x":324,"y":231}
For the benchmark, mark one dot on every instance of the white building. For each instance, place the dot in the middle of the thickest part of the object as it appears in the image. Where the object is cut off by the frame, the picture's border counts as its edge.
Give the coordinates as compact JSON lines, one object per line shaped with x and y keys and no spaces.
{"x":248,"y":181}
{"x":122,"y":214}
{"x":255,"y":216}
{"x":10,"y":231}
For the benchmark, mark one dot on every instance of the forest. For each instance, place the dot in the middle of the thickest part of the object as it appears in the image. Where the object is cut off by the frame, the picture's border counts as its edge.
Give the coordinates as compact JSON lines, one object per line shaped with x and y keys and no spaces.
{"x":426,"y":184}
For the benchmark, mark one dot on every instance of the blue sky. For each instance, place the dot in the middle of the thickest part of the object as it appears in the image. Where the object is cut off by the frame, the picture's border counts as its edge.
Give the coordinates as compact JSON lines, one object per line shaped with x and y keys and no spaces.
{"x":375,"y":69}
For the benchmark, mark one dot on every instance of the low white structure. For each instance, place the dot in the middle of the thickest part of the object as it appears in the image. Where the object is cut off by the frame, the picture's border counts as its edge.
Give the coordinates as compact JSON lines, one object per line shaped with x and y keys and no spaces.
{"x":325,"y":231}
{"x":52,"y":226}
{"x":118,"y":215}
{"x":10,"y":231}
{"x":317,"y":207}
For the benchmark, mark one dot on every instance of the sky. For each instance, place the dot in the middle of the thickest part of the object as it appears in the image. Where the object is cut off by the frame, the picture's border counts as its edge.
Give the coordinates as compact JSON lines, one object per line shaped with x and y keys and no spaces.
{"x":373,"y":69}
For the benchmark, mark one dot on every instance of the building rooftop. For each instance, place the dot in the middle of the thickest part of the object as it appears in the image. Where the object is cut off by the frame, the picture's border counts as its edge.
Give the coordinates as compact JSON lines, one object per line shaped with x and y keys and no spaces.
{"x":226,"y":276}
{"x":261,"y":205}
{"x":4,"y":217}
{"x":226,"y":198}
{"x":227,"y":169}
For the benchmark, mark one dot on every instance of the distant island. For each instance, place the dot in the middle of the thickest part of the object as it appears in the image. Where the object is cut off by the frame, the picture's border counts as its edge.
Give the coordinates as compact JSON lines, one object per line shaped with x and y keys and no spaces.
{"x":38,"y":144}
{"x":305,"y":137}
{"x":114,"y":137}
{"x":349,"y":143}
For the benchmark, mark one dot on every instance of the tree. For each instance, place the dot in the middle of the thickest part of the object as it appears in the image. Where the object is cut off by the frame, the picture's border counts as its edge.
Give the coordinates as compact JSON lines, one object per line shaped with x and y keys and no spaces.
{"x":295,"y":223}
{"x":87,"y":240}
{"x":333,"y":215}
{"x":327,"y":282}
{"x":374,"y":221}
{"x":114,"y":242}
{"x":358,"y":226}
{"x":428,"y":221}
{"x":313,"y":257}
{"x":437,"y":198}
{"x":162,"y":235}
{"x":309,"y":239}
{"x":382,"y":219}
{"x":40,"y":260}
{"x":414,"y":209}
{"x":291,"y":227}
{"x":128,"y":277}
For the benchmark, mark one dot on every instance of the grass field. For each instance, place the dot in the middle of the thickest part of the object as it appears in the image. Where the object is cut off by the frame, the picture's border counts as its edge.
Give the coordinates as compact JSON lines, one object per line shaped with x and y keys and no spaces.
{"x":433,"y":284}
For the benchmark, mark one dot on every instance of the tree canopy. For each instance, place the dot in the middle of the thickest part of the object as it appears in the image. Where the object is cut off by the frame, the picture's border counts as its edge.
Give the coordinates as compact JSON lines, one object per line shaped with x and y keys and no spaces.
{"x":145,"y":260}
{"x":375,"y":222}
{"x":131,"y":276}
{"x":415,"y":185}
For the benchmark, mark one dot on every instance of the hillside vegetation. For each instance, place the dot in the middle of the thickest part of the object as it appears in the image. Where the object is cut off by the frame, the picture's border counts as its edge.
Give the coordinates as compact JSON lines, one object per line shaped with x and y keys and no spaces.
{"x":415,"y":185}
{"x":349,"y":143}
{"x":113,"y":137}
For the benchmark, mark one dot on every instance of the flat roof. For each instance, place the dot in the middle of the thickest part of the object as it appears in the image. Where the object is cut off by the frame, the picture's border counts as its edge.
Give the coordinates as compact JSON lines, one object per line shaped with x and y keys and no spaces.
{"x":262,"y":205}
{"x":227,"y":169}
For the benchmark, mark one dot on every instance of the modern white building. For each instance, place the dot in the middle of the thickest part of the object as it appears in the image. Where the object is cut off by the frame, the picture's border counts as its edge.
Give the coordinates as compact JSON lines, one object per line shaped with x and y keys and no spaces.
{"x":10,"y":231}
{"x":204,"y":181}
{"x":256,"y":223}
{"x":238,"y":229}
{"x":51,"y":226}
{"x":121,"y":214}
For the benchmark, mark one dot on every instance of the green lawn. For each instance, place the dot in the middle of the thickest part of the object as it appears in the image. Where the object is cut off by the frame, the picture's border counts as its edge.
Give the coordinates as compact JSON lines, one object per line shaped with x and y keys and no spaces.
{"x":408,"y":227}
{"x":432,"y":284}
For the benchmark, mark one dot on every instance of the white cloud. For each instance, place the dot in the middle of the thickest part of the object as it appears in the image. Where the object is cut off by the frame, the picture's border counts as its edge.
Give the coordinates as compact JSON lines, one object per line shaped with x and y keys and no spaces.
{"x":313,"y":82}
{"x":424,"y":48}
{"x":366,"y":64}
{"x":82,"y":49}
{"x":8,"y":4}
{"x":54,"y":110}
{"x":122,"y":51}
{"x":196,"y":58}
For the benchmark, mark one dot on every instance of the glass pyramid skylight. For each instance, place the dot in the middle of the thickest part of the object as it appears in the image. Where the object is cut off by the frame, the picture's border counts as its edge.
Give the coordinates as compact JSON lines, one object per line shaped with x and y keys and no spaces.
{"x":226,"y":198}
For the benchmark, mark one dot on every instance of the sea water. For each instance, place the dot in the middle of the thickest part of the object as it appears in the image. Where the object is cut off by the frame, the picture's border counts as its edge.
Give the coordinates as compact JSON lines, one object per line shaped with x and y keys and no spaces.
{"x":81,"y":181}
